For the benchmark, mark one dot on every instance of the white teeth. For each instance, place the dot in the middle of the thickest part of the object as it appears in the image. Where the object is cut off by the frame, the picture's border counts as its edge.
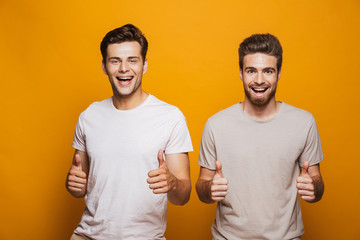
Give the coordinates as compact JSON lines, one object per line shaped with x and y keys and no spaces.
{"x":124,"y":78}
{"x":259,"y":89}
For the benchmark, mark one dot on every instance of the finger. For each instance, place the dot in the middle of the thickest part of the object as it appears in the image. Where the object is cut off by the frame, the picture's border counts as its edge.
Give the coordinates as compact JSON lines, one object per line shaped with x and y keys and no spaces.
{"x":306,"y":193}
{"x":308,"y":198}
{"x":74,"y":178}
{"x":219,"y":194}
{"x":215,"y":188}
{"x":161,"y":190}
{"x":220,"y":181}
{"x":158,"y":185}
{"x":219,"y":168}
{"x":76,"y":185}
{"x":218,"y":199}
{"x":78,"y":162}
{"x":78,"y":173}
{"x":304,"y":179}
{"x":305,"y":168}
{"x":156,"y":172}
{"x":161,"y":157}
{"x":158,"y":178}
{"x":302,"y":186}
{"x":74,"y":189}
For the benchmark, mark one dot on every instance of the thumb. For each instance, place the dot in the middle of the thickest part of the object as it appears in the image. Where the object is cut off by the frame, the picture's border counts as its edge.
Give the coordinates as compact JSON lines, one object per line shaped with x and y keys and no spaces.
{"x":219,"y":168}
{"x":78,"y":162}
{"x":161,"y":157}
{"x":305,"y":168}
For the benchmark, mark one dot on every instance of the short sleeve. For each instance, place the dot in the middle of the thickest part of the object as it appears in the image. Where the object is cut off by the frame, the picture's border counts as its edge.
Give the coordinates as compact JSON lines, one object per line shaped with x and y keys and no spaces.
{"x":179,"y":140}
{"x":313,"y":150}
{"x":79,"y":136}
{"x":207,"y":154}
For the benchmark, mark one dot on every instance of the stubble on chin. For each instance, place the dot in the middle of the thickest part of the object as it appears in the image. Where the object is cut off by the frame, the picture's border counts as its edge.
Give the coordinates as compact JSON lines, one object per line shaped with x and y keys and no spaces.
{"x":262,"y":101}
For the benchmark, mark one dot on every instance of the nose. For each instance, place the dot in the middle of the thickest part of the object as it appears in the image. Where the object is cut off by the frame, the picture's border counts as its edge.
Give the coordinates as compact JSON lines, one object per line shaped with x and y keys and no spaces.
{"x":124,"y":67}
{"x":259,"y":78}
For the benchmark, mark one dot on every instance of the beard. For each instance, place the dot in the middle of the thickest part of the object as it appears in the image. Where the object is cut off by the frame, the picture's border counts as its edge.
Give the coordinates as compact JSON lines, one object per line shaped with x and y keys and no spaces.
{"x":260,"y":101}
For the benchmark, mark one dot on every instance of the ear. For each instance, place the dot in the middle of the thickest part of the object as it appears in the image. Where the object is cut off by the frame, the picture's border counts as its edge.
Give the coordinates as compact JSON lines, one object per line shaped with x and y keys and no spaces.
{"x":278,"y":76}
{"x":103,"y":67}
{"x":145,"y":66}
{"x":241,"y":74}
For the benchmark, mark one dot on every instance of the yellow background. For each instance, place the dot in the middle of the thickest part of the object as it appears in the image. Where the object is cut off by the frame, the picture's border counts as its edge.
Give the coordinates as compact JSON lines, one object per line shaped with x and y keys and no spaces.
{"x":51,"y":71}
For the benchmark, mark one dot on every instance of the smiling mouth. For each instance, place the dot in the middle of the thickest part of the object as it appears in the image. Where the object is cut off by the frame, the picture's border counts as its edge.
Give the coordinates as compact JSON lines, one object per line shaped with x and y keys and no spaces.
{"x":259,"y":90}
{"x":124,"y":79}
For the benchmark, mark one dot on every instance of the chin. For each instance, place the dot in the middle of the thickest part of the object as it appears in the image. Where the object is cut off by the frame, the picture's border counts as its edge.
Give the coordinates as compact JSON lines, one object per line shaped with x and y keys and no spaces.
{"x":260,"y":102}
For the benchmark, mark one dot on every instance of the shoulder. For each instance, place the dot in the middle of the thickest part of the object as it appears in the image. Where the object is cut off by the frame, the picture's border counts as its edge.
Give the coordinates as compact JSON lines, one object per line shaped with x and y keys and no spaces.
{"x":291,"y":111}
{"x":164,"y":108}
{"x":226,"y":114}
{"x":223,"y":119}
{"x":97,"y":107}
{"x":297,"y":116}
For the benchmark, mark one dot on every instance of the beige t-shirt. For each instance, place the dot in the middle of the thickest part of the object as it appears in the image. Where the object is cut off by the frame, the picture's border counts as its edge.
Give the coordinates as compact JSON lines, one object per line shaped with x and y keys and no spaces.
{"x":122,"y":147}
{"x":261,"y":162}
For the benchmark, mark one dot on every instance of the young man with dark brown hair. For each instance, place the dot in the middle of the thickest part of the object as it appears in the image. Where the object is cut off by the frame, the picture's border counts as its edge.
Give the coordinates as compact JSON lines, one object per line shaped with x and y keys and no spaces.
{"x":120,"y":142}
{"x":251,"y":153}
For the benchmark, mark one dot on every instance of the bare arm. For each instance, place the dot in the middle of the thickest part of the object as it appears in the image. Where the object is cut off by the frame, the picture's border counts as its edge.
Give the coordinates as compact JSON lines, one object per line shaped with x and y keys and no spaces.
{"x":172,"y":177}
{"x":310,"y":184}
{"x":76,"y":180}
{"x":211,"y":185}
{"x":203,"y":185}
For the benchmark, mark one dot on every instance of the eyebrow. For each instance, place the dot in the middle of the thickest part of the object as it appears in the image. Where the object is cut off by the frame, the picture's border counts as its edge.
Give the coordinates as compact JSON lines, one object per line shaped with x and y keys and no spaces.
{"x":250,"y":68}
{"x":265,"y":69}
{"x":270,"y":68}
{"x":117,"y":58}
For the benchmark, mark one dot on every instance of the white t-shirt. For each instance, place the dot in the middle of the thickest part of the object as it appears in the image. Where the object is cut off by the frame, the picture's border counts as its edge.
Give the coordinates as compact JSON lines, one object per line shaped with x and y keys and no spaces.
{"x":261,"y":161}
{"x":122,"y":146}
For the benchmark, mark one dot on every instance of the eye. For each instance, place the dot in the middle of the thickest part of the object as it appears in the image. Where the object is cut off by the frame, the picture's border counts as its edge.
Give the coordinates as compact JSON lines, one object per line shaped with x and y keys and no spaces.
{"x":269,"y":71}
{"x":114,"y":61}
{"x":133,"y":60}
{"x":250,"y":71}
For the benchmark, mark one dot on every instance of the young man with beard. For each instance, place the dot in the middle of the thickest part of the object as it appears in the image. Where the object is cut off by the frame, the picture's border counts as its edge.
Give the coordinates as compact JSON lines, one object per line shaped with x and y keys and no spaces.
{"x":251,"y":152}
{"x":118,"y":163}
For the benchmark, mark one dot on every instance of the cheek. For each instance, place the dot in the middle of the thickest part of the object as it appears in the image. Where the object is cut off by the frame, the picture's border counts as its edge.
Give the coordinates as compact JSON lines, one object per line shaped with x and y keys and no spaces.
{"x":111,"y":69}
{"x":138,"y":69}
{"x":273,"y":80}
{"x":247,"y":80}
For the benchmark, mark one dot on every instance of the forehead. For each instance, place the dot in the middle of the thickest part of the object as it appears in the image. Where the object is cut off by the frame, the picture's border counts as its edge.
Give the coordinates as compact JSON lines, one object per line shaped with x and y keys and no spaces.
{"x":260,"y":60}
{"x":124,"y":49}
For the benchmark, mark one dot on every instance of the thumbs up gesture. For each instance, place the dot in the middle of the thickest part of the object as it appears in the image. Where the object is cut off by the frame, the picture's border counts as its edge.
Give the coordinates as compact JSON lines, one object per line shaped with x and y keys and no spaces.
{"x":219,"y":184}
{"x":305,"y":184}
{"x":76,"y":179}
{"x":161,"y":180}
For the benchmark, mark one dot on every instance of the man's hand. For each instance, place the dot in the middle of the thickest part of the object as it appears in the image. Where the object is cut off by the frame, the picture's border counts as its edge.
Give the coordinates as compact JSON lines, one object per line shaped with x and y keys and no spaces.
{"x":305,"y":184}
{"x":219,"y":184}
{"x":161,"y":180}
{"x":76,"y":179}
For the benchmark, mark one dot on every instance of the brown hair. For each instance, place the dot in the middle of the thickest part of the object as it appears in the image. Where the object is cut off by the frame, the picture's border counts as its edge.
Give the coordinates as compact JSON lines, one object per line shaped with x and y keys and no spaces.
{"x":261,"y":43}
{"x":126,"y":33}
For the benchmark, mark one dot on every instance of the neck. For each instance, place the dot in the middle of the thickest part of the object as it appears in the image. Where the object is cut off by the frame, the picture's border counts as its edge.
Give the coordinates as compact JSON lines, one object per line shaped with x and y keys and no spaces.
{"x":129,"y":102}
{"x":263,"y":112}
